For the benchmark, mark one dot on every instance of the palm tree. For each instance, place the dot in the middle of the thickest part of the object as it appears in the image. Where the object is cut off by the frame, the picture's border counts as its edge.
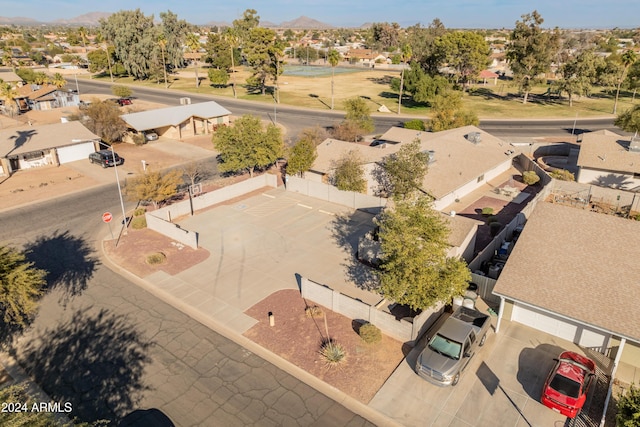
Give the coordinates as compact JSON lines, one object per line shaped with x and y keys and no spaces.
{"x":193,"y":44}
{"x":333,"y":57}
{"x":162,"y":42}
{"x":628,"y":59}
{"x":406,"y":56}
{"x":8,"y":93}
{"x":58,"y":81}
{"x":232,"y":38}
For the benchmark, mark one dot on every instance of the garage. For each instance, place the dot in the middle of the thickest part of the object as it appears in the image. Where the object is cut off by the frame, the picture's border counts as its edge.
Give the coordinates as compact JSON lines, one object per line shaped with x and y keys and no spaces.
{"x":72,"y":153}
{"x":560,"y":327}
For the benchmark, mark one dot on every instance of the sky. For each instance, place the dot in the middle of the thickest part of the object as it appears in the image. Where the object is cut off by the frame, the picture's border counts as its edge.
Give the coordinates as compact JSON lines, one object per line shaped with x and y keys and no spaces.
{"x":353,"y":13}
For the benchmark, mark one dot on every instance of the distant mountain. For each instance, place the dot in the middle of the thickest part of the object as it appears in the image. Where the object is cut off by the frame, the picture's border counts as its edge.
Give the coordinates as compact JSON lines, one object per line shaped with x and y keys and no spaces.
{"x":90,"y":19}
{"x":305,"y":22}
{"x":18,"y":20}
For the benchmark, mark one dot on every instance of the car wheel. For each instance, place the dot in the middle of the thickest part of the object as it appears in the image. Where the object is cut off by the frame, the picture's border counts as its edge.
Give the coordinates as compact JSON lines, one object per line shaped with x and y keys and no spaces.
{"x":456,"y":379}
{"x":104,"y":165}
{"x":482,"y":341}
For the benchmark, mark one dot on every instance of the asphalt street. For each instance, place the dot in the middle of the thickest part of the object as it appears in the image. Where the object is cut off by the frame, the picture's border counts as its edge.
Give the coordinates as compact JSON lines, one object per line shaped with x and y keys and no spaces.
{"x":110,"y":348}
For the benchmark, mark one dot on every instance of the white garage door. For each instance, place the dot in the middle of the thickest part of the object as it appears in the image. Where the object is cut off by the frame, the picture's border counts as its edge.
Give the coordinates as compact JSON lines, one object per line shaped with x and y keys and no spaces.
{"x":75,"y":152}
{"x":559,"y":327}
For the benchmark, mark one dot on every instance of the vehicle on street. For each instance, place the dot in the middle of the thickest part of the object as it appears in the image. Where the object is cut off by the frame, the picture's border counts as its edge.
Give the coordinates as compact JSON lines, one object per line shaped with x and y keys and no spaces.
{"x":568,"y":383}
{"x":452,"y":347}
{"x":105,"y":158}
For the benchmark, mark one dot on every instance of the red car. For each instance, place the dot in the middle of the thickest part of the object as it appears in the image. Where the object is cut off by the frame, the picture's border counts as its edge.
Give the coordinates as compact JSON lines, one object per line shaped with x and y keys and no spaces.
{"x":567,"y":385}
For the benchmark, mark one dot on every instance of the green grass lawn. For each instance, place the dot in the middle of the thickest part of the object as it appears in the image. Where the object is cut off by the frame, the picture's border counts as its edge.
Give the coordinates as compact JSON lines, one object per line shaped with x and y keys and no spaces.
{"x":499,"y":101}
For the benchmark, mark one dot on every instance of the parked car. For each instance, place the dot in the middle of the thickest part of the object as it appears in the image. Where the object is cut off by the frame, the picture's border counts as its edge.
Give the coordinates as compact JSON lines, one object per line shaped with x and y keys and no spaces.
{"x":105,"y":158}
{"x":567,"y":385}
{"x":452,"y":347}
{"x":124,"y":101}
{"x":150,"y":135}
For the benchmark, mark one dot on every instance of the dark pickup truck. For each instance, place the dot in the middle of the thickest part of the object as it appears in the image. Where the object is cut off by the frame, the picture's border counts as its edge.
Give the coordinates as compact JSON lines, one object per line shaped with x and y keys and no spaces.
{"x":452,"y":346}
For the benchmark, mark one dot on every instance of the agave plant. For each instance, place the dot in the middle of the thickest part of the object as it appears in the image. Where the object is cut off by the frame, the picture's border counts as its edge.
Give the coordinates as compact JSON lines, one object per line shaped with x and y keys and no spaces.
{"x":333,"y":353}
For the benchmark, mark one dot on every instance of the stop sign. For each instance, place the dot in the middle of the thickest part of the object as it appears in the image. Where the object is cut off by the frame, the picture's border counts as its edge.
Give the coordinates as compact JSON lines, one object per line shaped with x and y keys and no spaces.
{"x":107,"y":217}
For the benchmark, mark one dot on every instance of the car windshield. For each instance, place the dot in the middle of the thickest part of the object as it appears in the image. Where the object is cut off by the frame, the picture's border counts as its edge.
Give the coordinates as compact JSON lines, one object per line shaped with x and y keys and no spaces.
{"x":445,"y":346}
{"x":565,"y":386}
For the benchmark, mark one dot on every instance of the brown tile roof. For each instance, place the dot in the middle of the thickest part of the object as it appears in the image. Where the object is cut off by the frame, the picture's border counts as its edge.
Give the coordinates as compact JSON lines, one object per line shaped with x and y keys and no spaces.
{"x":27,"y":92}
{"x":605,"y":150}
{"x":579,"y":264}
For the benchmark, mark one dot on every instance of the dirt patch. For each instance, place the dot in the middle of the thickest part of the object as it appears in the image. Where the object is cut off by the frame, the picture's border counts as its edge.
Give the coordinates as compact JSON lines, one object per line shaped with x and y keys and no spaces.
{"x":136,"y":245}
{"x":297,"y":338}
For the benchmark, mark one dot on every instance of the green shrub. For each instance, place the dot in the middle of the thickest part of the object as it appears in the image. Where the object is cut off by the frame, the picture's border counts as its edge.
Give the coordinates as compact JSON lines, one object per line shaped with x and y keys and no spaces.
{"x":333,"y":353}
{"x":139,"y":222}
{"x":139,"y":212}
{"x":494,"y":228}
{"x":629,"y":407}
{"x":370,"y":333}
{"x":138,"y":139}
{"x":415,"y":124}
{"x":487,"y":211}
{"x":562,"y":175}
{"x":530,"y":177}
{"x":156,"y":258}
{"x":492,"y":219}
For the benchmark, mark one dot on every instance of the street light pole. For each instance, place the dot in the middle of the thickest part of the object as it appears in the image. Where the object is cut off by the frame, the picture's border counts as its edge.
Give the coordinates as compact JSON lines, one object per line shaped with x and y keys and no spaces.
{"x":115,"y":168}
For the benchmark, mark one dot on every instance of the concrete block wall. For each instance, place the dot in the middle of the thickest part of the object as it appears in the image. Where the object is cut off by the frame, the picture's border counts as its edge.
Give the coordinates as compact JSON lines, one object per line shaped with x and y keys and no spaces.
{"x":331,"y":194}
{"x":172,"y":231}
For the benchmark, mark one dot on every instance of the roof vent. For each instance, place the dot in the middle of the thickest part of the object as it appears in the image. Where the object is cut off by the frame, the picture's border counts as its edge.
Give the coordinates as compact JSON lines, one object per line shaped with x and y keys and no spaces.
{"x":431,"y":154}
{"x":474,"y":137}
{"x":634,"y":146}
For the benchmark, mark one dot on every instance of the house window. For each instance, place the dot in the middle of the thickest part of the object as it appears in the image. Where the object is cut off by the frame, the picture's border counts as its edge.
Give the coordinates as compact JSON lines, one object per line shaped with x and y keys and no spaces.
{"x":35,"y":155}
{"x":480,"y":178}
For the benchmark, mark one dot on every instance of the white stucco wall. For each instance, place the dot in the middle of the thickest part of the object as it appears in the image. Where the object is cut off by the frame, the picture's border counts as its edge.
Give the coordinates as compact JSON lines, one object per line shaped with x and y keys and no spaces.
{"x":594,"y":176}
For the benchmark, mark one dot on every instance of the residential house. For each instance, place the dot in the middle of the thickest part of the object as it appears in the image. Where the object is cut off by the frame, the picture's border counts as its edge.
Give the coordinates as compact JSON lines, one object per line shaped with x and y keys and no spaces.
{"x":609,"y":160}
{"x":565,"y":279}
{"x":46,"y":145}
{"x":180,"y":122}
{"x":45,"y":97}
{"x":461,"y":160}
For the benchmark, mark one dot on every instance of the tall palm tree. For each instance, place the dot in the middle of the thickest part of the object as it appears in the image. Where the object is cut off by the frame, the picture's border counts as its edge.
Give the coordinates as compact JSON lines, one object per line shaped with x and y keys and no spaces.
{"x":628,"y":59}
{"x":162,"y":42}
{"x":232,"y":38}
{"x":405,"y":54}
{"x":333,"y":57}
{"x":193,"y":44}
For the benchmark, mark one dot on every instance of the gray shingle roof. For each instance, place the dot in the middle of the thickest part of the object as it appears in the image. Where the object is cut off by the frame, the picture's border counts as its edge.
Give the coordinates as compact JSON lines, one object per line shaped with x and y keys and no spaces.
{"x":173,"y":116}
{"x":34,"y":138}
{"x":580,"y":264}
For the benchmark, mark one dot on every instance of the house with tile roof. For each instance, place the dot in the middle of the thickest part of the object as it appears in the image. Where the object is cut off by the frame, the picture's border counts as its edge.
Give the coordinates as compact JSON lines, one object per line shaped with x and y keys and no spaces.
{"x":609,"y":160}
{"x":181,"y":121}
{"x":47,"y":145}
{"x":461,"y":160}
{"x":565,"y":279}
{"x":45,"y":97}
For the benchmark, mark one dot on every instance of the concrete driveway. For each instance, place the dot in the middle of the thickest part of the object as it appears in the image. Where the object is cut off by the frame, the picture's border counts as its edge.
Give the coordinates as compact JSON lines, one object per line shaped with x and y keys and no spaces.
{"x":501,"y":387}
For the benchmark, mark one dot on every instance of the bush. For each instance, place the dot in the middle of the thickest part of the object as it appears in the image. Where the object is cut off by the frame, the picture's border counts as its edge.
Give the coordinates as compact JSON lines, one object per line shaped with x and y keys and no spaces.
{"x":416,"y":124}
{"x":156,"y":258}
{"x":139,"y":212}
{"x":629,"y":407}
{"x":487,"y":211}
{"x":492,"y":219}
{"x":530,"y":177}
{"x":138,"y":139}
{"x":313,"y":312}
{"x":333,"y":353}
{"x":562,"y":175}
{"x":139,"y":222}
{"x":370,"y":333}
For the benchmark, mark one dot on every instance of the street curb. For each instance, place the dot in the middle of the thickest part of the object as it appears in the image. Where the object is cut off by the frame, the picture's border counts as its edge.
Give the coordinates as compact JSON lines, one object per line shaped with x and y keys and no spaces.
{"x":344,"y":399}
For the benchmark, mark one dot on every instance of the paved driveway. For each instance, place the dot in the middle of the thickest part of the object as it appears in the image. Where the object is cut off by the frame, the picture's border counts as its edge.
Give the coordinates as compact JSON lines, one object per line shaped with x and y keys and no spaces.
{"x":501,"y":387}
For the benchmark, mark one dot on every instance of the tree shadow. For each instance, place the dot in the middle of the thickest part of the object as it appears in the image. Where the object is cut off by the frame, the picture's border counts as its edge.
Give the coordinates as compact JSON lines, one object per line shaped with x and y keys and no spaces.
{"x":20,"y":139}
{"x":313,"y":95}
{"x":146,"y":418}
{"x":93,"y":360}
{"x":68,"y":260}
{"x":612,"y":180}
{"x":384,"y":80}
{"x":346,"y":230}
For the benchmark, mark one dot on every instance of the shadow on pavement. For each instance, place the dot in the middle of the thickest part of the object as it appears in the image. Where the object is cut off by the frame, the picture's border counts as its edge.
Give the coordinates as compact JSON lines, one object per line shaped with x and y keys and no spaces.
{"x":95,"y":360}
{"x":146,"y":418}
{"x":68,"y":260}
